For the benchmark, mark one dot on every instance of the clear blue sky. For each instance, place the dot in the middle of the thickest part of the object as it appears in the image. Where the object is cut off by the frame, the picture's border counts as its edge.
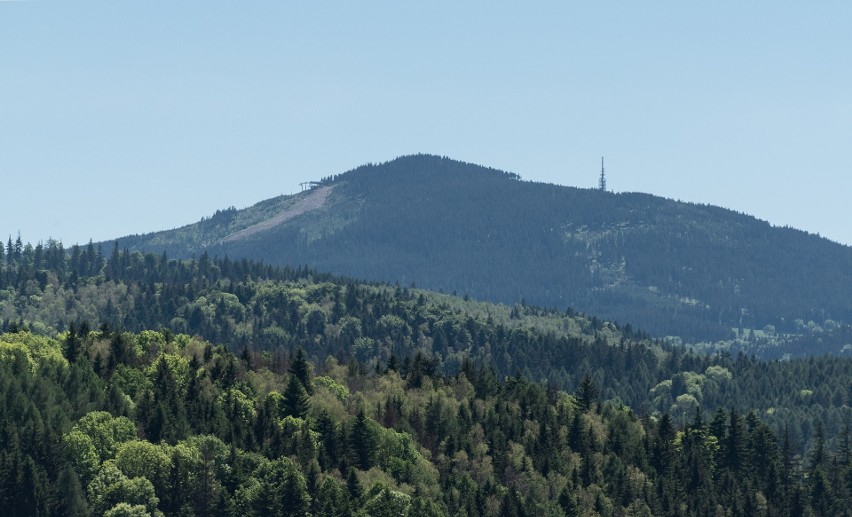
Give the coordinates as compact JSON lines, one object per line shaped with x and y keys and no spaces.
{"x":120,"y":117}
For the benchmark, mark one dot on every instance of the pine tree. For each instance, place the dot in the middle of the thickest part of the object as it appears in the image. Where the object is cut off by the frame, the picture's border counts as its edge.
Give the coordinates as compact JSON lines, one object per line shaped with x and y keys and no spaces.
{"x":568,"y":503}
{"x":296,"y":401}
{"x":245,"y":357}
{"x":72,"y":501}
{"x":302,"y":370}
{"x":817,"y":456}
{"x":363,"y":442}
{"x":353,"y":487}
{"x":587,"y":394}
{"x":72,"y":344}
{"x":734,"y":444}
{"x":821,"y":495}
{"x":844,"y":452}
{"x":295,"y":499}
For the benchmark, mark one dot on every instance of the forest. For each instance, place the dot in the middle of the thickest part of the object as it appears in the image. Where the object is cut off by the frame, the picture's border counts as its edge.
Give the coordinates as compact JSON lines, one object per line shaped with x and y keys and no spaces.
{"x":112,"y":423}
{"x":136,"y":384}
{"x":699,"y":272}
{"x":243,"y":304}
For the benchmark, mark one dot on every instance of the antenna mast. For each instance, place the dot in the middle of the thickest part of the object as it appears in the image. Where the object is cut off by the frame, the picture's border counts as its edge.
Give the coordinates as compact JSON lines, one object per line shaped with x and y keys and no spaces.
{"x":602,"y":182}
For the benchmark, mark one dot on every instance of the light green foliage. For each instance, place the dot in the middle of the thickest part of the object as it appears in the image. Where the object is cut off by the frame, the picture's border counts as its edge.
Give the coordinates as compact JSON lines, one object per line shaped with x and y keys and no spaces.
{"x":228,"y":306}
{"x":684,"y":406}
{"x":688,"y":382}
{"x":274,"y":335}
{"x":82,"y":454}
{"x":684,"y":392}
{"x":264,"y":381}
{"x":136,"y":492}
{"x":664,"y":388}
{"x":306,"y":441}
{"x":384,"y":502}
{"x":17,"y":354}
{"x":324,"y":400}
{"x":111,"y":487}
{"x":719,"y":374}
{"x":143,"y":459}
{"x":106,"y":432}
{"x":181,"y":341}
{"x":314,"y":292}
{"x":472,"y":442}
{"x":274,"y":488}
{"x":132,"y":381}
{"x":178,"y":366}
{"x":126,"y":510}
{"x":243,"y":404}
{"x":348,"y":329}
{"x":394,"y":327}
{"x":209,"y":447}
{"x":150,"y":341}
{"x":274,"y":403}
{"x":338,"y":390}
{"x":188,"y":467}
{"x":107,"y":475}
{"x":31,"y":349}
{"x":207,"y":457}
{"x":399,"y":456}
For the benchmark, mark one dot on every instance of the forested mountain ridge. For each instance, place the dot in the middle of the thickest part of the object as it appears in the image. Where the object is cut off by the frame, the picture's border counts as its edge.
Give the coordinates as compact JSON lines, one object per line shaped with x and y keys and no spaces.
{"x":669,"y":267}
{"x":253,"y":306}
{"x":342,"y":398}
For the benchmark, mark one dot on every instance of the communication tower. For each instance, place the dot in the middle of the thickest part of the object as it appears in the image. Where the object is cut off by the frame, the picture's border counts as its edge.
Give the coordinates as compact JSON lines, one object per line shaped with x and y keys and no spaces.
{"x":602,"y":181}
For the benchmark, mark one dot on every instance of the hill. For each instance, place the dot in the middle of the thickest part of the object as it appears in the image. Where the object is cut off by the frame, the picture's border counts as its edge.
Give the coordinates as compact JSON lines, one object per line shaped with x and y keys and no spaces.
{"x":255,"y":307}
{"x":669,"y":267}
{"x":336,"y":397}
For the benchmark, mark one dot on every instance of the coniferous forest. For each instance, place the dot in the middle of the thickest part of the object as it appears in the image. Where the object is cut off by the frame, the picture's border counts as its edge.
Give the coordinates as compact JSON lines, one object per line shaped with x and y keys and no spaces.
{"x":136,"y":384}
{"x":700,"y":272}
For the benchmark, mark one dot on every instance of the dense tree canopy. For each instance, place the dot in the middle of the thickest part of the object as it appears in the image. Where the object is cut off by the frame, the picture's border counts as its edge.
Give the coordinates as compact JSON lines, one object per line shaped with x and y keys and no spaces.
{"x":673,"y":268}
{"x":218,"y":439}
{"x":272,"y":391}
{"x":250,"y":307}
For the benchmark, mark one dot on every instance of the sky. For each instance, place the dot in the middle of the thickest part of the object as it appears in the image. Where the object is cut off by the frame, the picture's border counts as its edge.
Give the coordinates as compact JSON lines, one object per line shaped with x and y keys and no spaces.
{"x":121,"y":117}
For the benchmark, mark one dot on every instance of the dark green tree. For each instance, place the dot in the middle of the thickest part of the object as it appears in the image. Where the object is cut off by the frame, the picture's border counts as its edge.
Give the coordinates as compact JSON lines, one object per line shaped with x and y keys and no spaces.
{"x":72,"y":501}
{"x":586,"y":394}
{"x":363,"y":442}
{"x":296,"y":400}
{"x":301,"y":369}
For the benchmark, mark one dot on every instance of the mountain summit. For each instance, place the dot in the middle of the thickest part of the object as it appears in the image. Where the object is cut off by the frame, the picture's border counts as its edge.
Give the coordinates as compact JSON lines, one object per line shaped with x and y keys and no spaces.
{"x":670,"y":267}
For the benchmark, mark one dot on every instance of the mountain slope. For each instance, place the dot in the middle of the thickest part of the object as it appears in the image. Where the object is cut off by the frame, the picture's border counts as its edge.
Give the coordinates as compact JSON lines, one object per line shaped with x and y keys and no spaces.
{"x":669,"y":267}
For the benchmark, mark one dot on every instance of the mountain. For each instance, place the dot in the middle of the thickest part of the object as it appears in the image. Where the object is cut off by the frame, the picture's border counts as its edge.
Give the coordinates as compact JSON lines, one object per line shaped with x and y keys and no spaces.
{"x":669,"y":267}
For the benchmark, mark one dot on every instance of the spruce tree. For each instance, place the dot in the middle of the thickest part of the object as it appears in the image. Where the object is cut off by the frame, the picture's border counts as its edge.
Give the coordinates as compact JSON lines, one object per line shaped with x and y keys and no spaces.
{"x":363,"y":442}
{"x":353,"y":486}
{"x":587,"y":394}
{"x":296,"y":401}
{"x":302,"y":370}
{"x":72,"y":501}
